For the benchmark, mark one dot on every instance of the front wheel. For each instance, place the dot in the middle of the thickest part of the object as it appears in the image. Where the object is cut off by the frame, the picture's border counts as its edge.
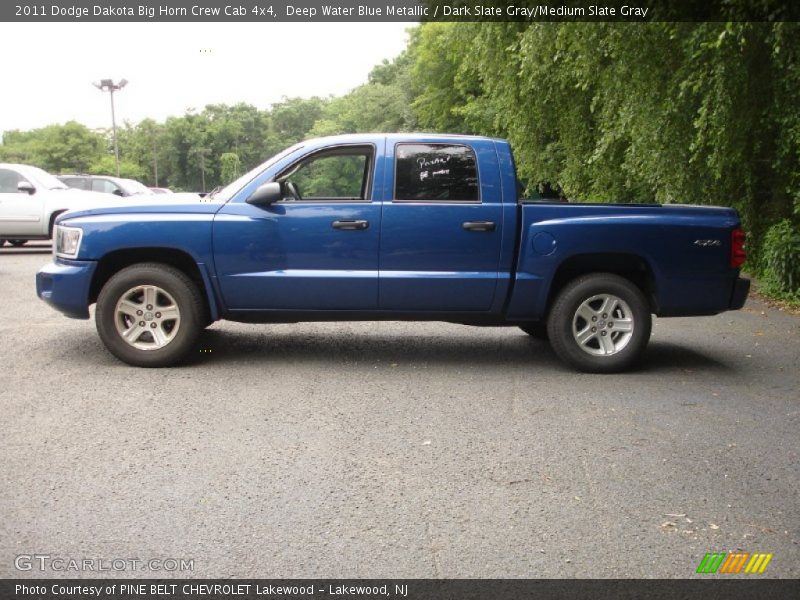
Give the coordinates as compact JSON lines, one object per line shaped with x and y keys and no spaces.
{"x":600,"y":323}
{"x":149,"y":315}
{"x":18,"y":243}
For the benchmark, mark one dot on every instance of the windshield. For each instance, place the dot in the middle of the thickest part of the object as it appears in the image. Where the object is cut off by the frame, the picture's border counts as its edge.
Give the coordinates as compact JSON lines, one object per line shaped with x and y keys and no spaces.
{"x":134,"y":187}
{"x":44,"y":178}
{"x":229,"y":190}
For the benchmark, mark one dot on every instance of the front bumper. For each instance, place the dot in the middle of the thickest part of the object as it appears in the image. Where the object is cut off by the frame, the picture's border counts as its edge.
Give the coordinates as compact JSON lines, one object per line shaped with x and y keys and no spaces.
{"x":741,"y":287}
{"x":64,"y":285}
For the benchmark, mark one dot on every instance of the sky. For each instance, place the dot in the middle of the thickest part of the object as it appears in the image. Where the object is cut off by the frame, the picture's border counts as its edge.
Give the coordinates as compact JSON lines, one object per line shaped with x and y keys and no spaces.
{"x":48,"y":68}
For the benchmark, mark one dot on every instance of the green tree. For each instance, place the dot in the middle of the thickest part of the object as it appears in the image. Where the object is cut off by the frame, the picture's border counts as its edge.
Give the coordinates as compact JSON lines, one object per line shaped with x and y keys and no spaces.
{"x":230,"y":167}
{"x":618,"y":112}
{"x":143,"y":145}
{"x":383,"y":104}
{"x":107,"y":165}
{"x":70,"y":147}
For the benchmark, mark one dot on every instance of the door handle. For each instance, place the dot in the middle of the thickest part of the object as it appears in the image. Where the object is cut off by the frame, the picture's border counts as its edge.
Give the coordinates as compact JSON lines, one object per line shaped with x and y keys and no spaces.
{"x":479,"y":225}
{"x":350,"y":225}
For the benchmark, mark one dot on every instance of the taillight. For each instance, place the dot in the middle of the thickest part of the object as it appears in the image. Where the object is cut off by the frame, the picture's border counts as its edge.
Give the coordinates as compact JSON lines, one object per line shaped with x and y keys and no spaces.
{"x":738,"y":254}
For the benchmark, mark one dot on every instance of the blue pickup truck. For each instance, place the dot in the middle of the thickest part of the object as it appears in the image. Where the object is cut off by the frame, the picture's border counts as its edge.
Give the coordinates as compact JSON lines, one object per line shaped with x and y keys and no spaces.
{"x":395,"y":227}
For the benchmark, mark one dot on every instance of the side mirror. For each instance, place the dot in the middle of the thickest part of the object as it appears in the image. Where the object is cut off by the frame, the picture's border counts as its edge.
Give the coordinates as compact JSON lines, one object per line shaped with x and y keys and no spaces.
{"x":266,"y":194}
{"x":26,"y":187}
{"x":118,"y":192}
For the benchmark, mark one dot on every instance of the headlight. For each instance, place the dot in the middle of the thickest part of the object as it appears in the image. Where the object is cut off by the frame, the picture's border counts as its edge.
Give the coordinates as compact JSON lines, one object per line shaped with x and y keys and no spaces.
{"x":67,"y":241}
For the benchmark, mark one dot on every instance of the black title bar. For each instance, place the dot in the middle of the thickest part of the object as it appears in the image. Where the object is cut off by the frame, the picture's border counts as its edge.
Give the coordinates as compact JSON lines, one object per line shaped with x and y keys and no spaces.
{"x":746,"y":587}
{"x":275,"y":11}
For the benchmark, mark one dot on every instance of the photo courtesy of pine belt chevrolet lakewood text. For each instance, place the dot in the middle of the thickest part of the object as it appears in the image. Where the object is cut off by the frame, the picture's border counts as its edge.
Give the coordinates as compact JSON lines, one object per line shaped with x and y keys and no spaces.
{"x":413,"y":227}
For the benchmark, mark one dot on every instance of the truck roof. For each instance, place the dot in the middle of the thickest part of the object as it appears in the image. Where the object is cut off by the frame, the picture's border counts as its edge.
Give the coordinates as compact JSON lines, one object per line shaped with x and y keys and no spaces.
{"x":370,"y":137}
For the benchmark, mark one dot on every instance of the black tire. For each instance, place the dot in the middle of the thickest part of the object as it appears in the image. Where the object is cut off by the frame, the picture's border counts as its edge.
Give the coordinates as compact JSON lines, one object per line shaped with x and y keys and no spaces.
{"x":175,"y":285}
{"x":563,"y":315}
{"x":535,"y":330}
{"x":17,"y":243}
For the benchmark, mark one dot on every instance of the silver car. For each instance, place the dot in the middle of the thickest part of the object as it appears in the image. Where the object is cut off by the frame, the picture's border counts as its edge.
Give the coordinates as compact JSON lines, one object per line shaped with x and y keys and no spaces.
{"x":126,"y":188}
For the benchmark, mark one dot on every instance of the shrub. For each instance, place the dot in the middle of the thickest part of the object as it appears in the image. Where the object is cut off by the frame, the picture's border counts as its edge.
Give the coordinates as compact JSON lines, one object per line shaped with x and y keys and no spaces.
{"x":781,"y":260}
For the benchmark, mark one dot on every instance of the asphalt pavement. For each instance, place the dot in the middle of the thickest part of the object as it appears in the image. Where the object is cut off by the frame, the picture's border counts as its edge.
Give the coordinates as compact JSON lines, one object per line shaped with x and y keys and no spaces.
{"x":378,"y":450}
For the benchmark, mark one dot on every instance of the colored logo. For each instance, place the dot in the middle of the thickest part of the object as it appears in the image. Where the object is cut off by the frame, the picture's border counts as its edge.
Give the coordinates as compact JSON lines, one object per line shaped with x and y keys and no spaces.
{"x":735,"y":562}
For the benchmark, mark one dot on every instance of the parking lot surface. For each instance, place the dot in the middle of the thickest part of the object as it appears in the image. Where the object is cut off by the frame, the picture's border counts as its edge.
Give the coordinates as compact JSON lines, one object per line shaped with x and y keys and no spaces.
{"x":396,"y":449}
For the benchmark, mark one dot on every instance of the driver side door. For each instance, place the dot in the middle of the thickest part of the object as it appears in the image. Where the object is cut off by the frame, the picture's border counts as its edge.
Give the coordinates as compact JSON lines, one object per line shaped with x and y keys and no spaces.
{"x":317,"y":249}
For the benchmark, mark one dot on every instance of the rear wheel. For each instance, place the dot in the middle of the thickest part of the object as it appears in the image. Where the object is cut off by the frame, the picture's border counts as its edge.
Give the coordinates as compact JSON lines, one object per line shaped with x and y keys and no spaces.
{"x":600,"y":323}
{"x":149,"y":315}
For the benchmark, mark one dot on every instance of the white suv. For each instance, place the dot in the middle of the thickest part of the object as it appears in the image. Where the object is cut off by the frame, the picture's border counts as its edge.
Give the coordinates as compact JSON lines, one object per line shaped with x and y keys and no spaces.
{"x":31,"y":199}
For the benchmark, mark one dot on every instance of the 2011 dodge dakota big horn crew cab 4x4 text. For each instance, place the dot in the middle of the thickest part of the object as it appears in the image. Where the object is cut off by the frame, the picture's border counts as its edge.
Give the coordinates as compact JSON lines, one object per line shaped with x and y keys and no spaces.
{"x":402,"y":227}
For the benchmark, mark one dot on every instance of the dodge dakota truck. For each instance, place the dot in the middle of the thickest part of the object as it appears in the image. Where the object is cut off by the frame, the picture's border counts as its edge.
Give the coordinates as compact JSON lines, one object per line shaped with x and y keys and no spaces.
{"x":393,"y":227}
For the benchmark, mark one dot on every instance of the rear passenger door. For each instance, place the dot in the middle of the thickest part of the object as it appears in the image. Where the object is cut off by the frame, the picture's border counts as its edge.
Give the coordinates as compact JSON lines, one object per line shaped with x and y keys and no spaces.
{"x":441,"y":226}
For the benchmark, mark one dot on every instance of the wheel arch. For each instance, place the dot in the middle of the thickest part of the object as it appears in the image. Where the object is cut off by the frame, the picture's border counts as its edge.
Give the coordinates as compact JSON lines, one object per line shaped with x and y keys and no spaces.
{"x":117,"y":260}
{"x":632,"y":267}
{"x":52,"y":224}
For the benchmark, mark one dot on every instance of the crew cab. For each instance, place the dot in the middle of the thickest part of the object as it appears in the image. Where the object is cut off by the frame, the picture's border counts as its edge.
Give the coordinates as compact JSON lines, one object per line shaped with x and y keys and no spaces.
{"x":394,"y":227}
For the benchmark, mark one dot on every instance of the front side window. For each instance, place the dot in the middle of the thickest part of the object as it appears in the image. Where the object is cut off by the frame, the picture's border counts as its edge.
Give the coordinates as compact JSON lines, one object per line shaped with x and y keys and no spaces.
{"x":79,"y":183}
{"x":436,"y":172}
{"x":9,"y":180}
{"x":340,"y":174}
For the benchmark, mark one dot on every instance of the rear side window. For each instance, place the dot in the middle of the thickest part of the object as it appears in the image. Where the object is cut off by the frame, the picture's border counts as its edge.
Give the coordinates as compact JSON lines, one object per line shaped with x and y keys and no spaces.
{"x":436,"y":172}
{"x":80,"y":183}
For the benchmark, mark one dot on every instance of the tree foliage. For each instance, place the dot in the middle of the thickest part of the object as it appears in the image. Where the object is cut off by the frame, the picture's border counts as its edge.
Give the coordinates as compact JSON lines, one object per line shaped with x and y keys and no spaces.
{"x":69,"y":147}
{"x":230,"y":167}
{"x":702,"y":113}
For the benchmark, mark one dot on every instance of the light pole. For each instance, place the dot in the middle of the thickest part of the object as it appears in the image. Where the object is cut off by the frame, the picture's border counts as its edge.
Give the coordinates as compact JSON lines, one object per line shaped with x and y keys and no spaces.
{"x":108,"y":85}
